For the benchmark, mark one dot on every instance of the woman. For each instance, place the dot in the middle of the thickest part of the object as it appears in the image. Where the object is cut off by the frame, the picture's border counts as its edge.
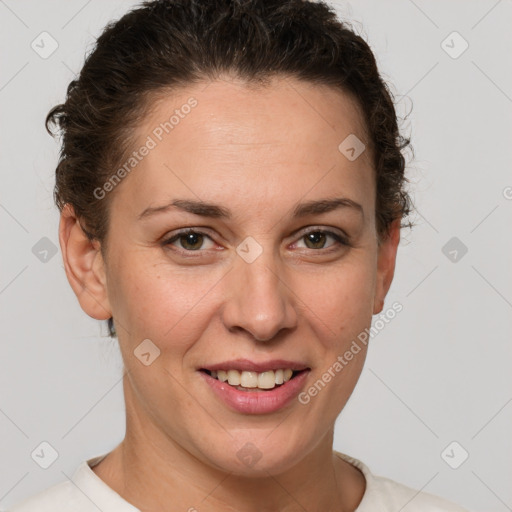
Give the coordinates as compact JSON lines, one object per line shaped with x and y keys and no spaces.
{"x":231,"y":187}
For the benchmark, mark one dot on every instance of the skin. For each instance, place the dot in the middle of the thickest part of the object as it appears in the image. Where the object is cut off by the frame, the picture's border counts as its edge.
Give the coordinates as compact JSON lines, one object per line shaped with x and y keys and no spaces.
{"x":258,"y":152}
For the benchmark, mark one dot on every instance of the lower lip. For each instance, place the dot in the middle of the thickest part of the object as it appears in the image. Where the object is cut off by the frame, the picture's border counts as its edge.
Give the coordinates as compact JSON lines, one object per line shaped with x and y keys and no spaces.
{"x":257,"y":402}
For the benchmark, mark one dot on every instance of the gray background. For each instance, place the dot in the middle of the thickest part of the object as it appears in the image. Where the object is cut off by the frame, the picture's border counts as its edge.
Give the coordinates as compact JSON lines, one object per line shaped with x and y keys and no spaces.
{"x":439,"y":372}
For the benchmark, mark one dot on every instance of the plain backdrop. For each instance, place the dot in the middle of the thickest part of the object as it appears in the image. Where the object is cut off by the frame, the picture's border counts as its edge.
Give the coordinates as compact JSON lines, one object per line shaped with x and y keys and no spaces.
{"x":437,"y":383}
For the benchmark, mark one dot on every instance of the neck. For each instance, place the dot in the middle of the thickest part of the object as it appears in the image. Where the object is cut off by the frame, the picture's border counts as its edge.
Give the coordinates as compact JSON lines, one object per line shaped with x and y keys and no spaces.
{"x":153,"y":472}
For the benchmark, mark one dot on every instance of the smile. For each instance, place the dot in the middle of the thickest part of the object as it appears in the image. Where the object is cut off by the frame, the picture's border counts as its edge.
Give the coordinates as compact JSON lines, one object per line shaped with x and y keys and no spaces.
{"x":255,"y":388}
{"x":253,"y":381}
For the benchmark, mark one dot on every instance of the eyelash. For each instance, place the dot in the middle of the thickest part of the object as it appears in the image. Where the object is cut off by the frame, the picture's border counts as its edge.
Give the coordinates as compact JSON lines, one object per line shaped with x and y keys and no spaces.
{"x":341,"y":240}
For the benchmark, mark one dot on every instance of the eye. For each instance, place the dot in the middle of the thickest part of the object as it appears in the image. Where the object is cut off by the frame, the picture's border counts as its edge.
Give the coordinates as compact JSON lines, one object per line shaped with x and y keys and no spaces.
{"x":189,"y":240}
{"x":316,"y":239}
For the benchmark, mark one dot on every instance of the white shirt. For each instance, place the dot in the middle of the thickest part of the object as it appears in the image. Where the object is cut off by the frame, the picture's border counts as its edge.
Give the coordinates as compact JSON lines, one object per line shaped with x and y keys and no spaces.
{"x":86,"y":492}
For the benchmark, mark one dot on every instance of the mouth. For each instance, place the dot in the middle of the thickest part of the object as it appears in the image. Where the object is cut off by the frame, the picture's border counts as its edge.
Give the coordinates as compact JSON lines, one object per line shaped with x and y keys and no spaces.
{"x":250,"y":387}
{"x":253,"y":381}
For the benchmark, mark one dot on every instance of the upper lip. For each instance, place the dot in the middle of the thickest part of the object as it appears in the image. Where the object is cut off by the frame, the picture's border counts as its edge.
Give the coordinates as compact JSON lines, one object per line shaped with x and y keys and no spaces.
{"x":253,"y":366}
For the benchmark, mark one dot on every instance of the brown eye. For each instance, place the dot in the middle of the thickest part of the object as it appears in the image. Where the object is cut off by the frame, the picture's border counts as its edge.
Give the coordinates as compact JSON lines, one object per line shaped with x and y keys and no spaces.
{"x":318,"y":239}
{"x":189,"y":241}
{"x":315,"y":240}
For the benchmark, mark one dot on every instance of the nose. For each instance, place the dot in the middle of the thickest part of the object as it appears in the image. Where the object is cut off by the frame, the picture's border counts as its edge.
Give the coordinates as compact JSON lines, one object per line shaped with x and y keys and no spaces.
{"x":257,"y":300}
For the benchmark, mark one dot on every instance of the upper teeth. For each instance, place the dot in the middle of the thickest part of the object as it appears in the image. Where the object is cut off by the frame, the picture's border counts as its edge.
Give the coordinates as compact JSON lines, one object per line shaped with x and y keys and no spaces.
{"x":264,"y":380}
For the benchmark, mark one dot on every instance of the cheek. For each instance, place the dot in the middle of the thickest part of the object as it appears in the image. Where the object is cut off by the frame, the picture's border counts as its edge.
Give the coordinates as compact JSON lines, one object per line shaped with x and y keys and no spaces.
{"x":339,"y":302}
{"x":173,"y":306}
{"x":341,"y":309}
{"x":161,"y":303}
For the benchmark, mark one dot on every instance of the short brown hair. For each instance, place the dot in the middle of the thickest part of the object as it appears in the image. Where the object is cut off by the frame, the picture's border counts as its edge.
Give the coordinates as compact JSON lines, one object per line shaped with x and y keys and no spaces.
{"x":168,"y":44}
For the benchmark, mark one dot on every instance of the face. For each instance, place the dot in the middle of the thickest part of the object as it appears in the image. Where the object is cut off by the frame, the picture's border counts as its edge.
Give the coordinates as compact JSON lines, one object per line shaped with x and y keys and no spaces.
{"x":267,"y":259}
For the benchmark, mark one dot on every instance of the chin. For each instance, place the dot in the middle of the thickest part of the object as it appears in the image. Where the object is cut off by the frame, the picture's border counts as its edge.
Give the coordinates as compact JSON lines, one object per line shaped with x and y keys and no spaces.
{"x":256,"y":453}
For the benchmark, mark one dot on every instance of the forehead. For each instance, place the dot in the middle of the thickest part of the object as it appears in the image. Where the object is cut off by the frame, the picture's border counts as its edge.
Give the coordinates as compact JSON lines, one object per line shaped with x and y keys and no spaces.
{"x":285,"y":133}
{"x":239,"y":112}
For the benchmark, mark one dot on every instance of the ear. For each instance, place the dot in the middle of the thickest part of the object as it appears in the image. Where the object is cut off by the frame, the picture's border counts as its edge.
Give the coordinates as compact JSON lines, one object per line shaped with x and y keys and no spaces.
{"x":84,"y":266}
{"x":386,"y":259}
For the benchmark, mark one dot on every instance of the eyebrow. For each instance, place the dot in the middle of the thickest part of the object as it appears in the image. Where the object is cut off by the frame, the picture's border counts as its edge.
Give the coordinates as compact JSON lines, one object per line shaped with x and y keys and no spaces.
{"x":218,"y":212}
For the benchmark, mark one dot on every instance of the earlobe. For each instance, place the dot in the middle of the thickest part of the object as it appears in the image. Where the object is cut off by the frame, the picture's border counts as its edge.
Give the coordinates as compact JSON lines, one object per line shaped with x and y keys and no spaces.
{"x":84,"y":266}
{"x":386,"y":265}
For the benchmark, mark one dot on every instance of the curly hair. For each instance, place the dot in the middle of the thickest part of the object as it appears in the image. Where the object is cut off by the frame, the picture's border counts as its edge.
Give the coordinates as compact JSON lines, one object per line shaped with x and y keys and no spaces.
{"x":163,"y":45}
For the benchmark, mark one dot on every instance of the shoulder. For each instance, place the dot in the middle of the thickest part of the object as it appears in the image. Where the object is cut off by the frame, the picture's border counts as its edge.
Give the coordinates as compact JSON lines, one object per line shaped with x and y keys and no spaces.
{"x":59,"y":497}
{"x":386,"y":495}
{"x":396,"y":496}
{"x":83,"y":492}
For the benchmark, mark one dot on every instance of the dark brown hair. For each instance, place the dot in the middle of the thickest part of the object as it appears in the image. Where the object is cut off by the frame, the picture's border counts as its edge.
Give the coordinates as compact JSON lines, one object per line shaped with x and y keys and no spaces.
{"x":163,"y":45}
